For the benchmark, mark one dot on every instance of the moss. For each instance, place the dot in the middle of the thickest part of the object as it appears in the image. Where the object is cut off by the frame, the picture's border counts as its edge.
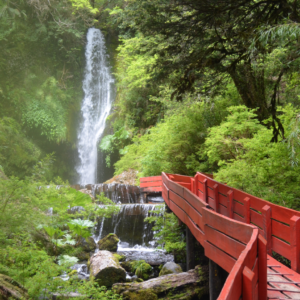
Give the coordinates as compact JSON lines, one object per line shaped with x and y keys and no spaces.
{"x":109,"y":243}
{"x":119,"y":257}
{"x":73,"y":272}
{"x":146,"y":294}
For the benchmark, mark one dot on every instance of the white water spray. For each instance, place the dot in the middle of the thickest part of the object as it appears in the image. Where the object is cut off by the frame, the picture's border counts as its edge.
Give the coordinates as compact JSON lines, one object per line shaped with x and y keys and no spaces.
{"x":96,"y":105}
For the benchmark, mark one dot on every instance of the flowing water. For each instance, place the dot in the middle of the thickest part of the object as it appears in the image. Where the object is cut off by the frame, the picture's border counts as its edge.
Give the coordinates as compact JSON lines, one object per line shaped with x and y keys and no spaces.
{"x":96,"y":105}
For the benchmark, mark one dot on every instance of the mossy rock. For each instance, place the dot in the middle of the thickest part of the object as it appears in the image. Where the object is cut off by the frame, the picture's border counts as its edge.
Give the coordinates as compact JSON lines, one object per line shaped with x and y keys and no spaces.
{"x":143,"y":271}
{"x":142,"y":294}
{"x":73,"y":272}
{"x":88,"y":244}
{"x":10,"y":289}
{"x":170,"y":268}
{"x":109,"y":243}
{"x":127,"y":265}
{"x":120,"y":258}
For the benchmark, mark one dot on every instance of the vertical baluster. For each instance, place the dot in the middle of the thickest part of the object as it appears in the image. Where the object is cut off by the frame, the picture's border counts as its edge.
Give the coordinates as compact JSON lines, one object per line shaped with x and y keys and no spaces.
{"x":262,"y":267}
{"x":247,"y":209}
{"x":267,"y":227}
{"x":230,"y":203}
{"x":248,"y":284}
{"x":205,"y":190}
{"x":295,"y":243}
{"x":216,"y":196}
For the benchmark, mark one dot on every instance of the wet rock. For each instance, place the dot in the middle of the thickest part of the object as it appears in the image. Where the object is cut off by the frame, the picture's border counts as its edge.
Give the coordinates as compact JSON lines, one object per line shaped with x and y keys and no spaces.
{"x":88,"y":244}
{"x":109,"y":243}
{"x":105,"y":269}
{"x":10,"y":289}
{"x":183,"y":286}
{"x":119,"y":257}
{"x":127,"y":177}
{"x":170,"y":268}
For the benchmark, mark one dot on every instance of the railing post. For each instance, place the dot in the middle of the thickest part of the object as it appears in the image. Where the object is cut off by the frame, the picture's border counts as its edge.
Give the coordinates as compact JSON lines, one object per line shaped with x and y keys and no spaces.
{"x":193,"y":183}
{"x":217,"y":278}
{"x":267,"y":227}
{"x":205,"y":190}
{"x":262,"y":267}
{"x":248,"y":284}
{"x":247,"y":209}
{"x":230,"y":203}
{"x":216,"y":195}
{"x":295,"y":243}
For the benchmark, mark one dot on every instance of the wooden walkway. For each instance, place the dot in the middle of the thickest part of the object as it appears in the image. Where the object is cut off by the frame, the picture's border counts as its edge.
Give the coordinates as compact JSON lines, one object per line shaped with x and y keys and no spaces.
{"x":239,"y":232}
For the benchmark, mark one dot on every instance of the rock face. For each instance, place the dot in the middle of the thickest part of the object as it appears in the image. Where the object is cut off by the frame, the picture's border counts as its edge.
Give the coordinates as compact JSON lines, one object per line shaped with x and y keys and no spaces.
{"x":109,"y":243}
{"x":106,"y":270}
{"x":170,"y":268}
{"x":9,"y":289}
{"x":183,"y":286}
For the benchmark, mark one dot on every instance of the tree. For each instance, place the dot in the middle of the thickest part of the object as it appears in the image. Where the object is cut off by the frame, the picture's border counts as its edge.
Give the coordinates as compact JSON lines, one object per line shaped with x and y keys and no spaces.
{"x":206,"y":42}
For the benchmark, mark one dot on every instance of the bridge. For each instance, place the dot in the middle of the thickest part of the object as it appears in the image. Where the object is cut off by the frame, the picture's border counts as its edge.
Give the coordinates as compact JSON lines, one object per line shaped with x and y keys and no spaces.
{"x":240,"y":234}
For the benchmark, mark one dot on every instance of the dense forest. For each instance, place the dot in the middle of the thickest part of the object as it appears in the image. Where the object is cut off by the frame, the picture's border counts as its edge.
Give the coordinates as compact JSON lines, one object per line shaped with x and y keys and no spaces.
{"x":201,"y":85}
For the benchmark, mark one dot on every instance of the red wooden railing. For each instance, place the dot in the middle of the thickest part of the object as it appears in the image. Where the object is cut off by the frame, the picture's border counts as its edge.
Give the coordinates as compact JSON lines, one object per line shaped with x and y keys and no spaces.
{"x":237,"y":230}
{"x":151,"y":184}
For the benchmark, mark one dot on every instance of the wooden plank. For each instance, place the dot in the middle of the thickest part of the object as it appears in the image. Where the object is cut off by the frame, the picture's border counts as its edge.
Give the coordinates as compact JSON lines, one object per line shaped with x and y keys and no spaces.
{"x":234,"y":229}
{"x":248,"y":284}
{"x":205,"y":190}
{"x":256,"y":218}
{"x":295,"y":243}
{"x":281,"y":231}
{"x":238,"y":208}
{"x":152,"y":189}
{"x":149,"y":179}
{"x":223,"y":199}
{"x":211,"y":203}
{"x":223,"y":210}
{"x":255,"y":270}
{"x":262,"y":267}
{"x":210,"y":193}
{"x":193,"y":186}
{"x":201,"y":177}
{"x":185,"y":184}
{"x":180,"y":178}
{"x":238,"y":218}
{"x":194,"y":215}
{"x":194,"y":201}
{"x":219,"y":257}
{"x":175,"y":187}
{"x":281,"y":247}
{"x":251,"y":249}
{"x":151,"y":183}
{"x":224,"y":242}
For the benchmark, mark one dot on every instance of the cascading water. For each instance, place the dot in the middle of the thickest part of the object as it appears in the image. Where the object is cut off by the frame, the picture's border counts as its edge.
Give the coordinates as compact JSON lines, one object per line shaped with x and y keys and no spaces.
{"x":96,"y":105}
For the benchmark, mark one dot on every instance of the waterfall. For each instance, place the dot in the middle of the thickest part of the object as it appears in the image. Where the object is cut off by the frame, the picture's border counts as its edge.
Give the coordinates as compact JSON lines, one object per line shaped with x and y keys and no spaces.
{"x":96,"y":105}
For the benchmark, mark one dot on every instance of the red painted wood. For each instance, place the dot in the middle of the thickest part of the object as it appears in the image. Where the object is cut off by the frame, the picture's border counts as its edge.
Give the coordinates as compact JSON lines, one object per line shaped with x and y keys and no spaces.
{"x":223,"y":199}
{"x":205,"y":190}
{"x":238,"y":218}
{"x":151,"y":183}
{"x":281,"y":231}
{"x":152,"y":189}
{"x":249,"y":284}
{"x":224,"y":242}
{"x":193,"y":185}
{"x":148,"y":179}
{"x":255,"y":270}
{"x":223,"y":210}
{"x":216,"y":197}
{"x":234,"y":229}
{"x":267,"y":227}
{"x":251,"y":248}
{"x":230,"y":203}
{"x":211,"y":202}
{"x":185,"y":184}
{"x":262,"y":267}
{"x":256,"y":218}
{"x":219,"y":257}
{"x":295,"y":243}
{"x":210,"y":192}
{"x":194,"y":201}
{"x":175,"y":188}
{"x":179,"y":178}
{"x":281,"y":247}
{"x":238,"y":208}
{"x":247,"y":210}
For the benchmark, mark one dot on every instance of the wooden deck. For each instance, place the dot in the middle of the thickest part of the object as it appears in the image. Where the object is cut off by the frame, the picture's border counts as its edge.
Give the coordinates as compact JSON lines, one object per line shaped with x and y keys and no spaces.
{"x":239,"y":232}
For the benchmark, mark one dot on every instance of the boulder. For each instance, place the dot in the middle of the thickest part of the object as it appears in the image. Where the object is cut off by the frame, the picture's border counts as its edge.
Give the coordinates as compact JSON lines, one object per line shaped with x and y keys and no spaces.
{"x":88,"y":244}
{"x":10,"y":289}
{"x":183,"y":286}
{"x":170,"y":268}
{"x":109,"y":243}
{"x":105,"y":269}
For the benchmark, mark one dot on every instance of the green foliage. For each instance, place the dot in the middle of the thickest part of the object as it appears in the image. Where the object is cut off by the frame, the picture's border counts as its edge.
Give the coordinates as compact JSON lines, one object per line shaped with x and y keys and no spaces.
{"x":66,"y":260}
{"x":168,"y":234}
{"x":249,"y":161}
{"x":141,"y":269}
